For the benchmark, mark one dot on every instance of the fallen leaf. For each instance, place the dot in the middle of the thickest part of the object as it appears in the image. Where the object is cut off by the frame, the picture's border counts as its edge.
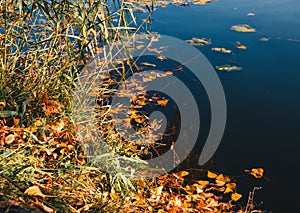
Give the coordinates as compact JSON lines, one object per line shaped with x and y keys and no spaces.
{"x":148,"y":64}
{"x":138,"y":47}
{"x":221,"y":49}
{"x":264,"y":39}
{"x":183,"y":173}
{"x":241,"y":47}
{"x":203,"y":183}
{"x":256,"y":172}
{"x":211,"y":174}
{"x":9,"y":139}
{"x":223,"y":178}
{"x":201,"y":2}
{"x":244,"y":28}
{"x":199,"y":41}
{"x":161,"y":57}
{"x":235,"y":196}
{"x":34,"y":191}
{"x":228,"y":68}
{"x":162,"y":102}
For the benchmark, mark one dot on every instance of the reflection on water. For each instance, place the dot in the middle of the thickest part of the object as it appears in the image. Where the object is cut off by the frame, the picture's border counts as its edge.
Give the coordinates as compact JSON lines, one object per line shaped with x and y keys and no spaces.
{"x":263,"y":99}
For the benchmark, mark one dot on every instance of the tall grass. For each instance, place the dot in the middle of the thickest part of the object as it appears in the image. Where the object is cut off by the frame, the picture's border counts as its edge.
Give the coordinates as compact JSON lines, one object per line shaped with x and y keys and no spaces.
{"x":44,"y":45}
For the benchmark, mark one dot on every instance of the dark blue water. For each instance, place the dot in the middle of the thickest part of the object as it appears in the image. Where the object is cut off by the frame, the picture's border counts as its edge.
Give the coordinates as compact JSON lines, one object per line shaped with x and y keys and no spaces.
{"x":263,"y":99}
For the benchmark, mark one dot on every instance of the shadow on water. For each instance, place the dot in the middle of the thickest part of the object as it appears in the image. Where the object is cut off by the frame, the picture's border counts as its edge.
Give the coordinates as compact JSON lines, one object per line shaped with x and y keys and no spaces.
{"x":263,"y":99}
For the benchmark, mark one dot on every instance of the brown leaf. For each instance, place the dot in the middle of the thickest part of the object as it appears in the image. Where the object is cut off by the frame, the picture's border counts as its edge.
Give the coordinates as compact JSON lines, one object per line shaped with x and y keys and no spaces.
{"x":52,"y":107}
{"x":9,"y":139}
{"x":47,"y":209}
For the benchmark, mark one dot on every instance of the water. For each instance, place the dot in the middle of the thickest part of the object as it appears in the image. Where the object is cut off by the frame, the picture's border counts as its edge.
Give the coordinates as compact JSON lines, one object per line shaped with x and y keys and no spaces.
{"x":263,"y":99}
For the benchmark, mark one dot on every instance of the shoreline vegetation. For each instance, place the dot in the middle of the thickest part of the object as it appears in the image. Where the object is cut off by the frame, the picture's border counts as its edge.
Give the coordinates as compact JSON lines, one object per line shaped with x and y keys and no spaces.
{"x":44,"y":45}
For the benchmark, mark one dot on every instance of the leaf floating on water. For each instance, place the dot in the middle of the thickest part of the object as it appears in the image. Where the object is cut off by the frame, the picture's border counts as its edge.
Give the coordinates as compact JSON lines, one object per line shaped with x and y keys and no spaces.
{"x":228,"y":68}
{"x":293,"y":40}
{"x":34,"y":191}
{"x":148,"y":64}
{"x":201,"y":2}
{"x":241,"y":47}
{"x":161,"y":57}
{"x":138,"y":47}
{"x":211,"y":174}
{"x":163,"y":102}
{"x":264,"y":39}
{"x":199,"y":41}
{"x":221,"y":49}
{"x":236,"y":196}
{"x":244,"y":28}
{"x":256,"y":172}
{"x":251,"y":14}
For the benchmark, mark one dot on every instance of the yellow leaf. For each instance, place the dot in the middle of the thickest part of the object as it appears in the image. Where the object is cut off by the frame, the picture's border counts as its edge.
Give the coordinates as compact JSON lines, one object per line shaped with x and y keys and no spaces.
{"x":157,"y":191}
{"x":221,"y":49}
{"x":223,"y":178}
{"x":148,"y":64}
{"x":244,"y":28}
{"x":231,"y":185}
{"x":235,"y":196}
{"x":34,"y":191}
{"x":138,"y":47}
{"x":211,"y":174}
{"x":183,"y":173}
{"x":241,"y":47}
{"x":256,"y":172}
{"x":220,"y":183}
{"x":227,"y":190}
{"x":203,"y":183}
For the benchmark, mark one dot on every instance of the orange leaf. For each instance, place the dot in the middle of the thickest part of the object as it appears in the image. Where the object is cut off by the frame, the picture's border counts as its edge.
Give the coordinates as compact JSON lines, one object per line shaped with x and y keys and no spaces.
{"x":34,"y":191}
{"x":183,"y":173}
{"x":241,"y":47}
{"x":223,"y":178}
{"x":163,"y":102}
{"x":211,"y":174}
{"x":256,"y":172}
{"x":203,"y":183}
{"x":236,"y":196}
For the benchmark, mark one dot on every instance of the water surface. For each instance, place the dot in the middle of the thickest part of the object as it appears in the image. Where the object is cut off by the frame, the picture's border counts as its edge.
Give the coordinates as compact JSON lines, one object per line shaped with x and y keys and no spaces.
{"x":263,"y":99}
